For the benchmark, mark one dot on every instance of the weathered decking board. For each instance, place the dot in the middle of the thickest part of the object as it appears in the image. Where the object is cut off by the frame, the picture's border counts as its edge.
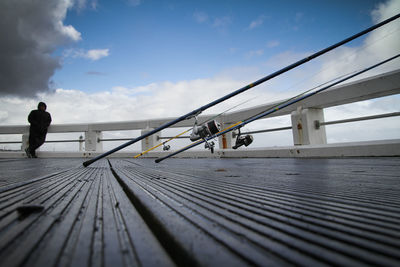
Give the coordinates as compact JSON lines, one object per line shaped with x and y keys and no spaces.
{"x":19,"y":170}
{"x":212,"y":212}
{"x":86,"y":220}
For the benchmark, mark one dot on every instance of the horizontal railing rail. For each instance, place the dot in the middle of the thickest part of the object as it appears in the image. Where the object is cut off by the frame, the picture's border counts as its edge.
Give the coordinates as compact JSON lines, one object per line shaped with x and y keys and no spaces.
{"x":113,"y":139}
{"x":365,"y":118}
{"x":269,"y":130}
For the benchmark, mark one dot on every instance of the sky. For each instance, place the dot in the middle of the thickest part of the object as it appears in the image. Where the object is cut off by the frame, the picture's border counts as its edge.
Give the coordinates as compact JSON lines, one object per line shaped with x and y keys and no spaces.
{"x":103,"y":60}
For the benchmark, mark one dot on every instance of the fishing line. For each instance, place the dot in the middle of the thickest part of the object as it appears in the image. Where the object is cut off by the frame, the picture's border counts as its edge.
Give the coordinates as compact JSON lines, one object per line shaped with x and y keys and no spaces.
{"x":352,"y":54}
{"x":218,"y":115}
{"x":305,"y":92}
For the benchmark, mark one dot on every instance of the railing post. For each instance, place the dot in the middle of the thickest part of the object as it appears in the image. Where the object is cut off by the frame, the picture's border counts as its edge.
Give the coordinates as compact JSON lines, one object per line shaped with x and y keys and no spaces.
{"x":80,"y":143}
{"x":225,"y":141}
{"x":25,"y":141}
{"x":151,"y":140}
{"x":303,"y":126}
{"x":92,"y":141}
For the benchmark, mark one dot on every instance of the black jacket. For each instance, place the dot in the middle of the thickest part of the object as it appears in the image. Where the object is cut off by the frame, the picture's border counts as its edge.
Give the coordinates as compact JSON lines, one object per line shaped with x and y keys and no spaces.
{"x":40,"y":121}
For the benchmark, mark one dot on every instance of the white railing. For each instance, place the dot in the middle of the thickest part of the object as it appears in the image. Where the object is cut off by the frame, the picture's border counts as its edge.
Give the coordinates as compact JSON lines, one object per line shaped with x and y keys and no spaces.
{"x":307,"y":119}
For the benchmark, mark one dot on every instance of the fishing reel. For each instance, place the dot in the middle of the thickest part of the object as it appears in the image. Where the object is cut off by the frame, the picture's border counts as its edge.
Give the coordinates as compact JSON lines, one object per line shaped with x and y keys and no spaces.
{"x":209,"y":145}
{"x":242,"y":140}
{"x":166,"y":147}
{"x":205,"y":130}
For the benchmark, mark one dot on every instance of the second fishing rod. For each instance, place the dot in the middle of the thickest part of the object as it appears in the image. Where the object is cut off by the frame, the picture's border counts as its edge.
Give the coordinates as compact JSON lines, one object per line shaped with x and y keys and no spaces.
{"x":240,"y":124}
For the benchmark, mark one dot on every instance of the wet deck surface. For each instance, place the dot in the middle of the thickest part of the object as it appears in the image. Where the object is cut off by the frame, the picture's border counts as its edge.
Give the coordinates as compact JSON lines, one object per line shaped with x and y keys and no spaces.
{"x":211,"y":212}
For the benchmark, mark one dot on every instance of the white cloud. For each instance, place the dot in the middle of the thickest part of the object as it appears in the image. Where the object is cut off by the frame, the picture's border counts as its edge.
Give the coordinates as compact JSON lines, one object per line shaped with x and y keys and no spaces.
{"x":256,"y":23}
{"x":96,"y":54}
{"x":155,"y":100}
{"x":93,"y":54}
{"x":70,"y":32}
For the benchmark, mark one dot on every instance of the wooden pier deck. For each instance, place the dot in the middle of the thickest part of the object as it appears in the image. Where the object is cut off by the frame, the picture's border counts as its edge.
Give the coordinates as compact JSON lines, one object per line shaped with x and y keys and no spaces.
{"x":200,"y":212}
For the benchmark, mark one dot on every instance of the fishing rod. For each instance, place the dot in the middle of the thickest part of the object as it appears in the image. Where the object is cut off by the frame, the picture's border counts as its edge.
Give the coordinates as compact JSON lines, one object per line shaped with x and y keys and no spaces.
{"x":241,"y":90}
{"x":240,"y":124}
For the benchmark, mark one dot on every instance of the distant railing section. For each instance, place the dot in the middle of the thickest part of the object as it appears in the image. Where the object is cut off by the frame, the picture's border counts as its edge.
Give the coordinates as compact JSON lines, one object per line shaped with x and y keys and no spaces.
{"x":47,"y":141}
{"x":318,"y":124}
{"x":307,"y":118}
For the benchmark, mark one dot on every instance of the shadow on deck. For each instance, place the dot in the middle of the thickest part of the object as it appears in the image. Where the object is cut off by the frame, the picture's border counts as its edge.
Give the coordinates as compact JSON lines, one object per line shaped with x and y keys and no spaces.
{"x":212,"y":212}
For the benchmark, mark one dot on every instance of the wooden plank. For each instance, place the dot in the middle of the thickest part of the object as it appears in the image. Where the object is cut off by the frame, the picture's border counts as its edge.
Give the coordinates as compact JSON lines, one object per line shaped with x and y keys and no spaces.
{"x":148,"y":250}
{"x":33,"y":228}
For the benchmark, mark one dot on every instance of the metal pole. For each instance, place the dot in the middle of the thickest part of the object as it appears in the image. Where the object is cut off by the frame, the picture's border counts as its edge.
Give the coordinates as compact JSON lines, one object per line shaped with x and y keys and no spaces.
{"x":241,"y":90}
{"x":263,"y":114}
